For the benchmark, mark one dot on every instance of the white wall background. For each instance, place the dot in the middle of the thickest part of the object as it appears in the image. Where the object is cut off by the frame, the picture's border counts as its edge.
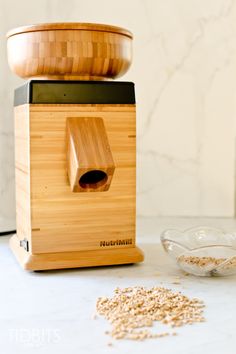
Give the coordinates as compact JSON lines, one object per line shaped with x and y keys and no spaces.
{"x":184,"y":68}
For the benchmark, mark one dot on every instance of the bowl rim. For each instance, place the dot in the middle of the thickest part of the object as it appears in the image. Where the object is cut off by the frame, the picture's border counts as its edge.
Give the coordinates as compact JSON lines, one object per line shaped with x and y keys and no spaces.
{"x":164,"y":238}
{"x":83,"y":26}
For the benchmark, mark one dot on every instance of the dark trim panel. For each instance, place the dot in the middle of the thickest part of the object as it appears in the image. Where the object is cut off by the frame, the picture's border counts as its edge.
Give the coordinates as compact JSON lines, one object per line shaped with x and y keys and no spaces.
{"x":75,"y":92}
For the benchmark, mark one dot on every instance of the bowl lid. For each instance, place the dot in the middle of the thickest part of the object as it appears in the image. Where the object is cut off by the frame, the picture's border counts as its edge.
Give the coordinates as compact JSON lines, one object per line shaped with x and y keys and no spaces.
{"x":70,"y":26}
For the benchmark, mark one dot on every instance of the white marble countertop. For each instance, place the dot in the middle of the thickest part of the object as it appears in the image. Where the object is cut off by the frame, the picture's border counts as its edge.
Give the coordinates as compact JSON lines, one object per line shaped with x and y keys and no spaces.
{"x":52,"y":312}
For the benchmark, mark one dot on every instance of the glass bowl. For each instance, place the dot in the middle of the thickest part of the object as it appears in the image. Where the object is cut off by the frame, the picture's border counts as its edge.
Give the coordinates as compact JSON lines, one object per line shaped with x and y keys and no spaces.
{"x":202,"y":251}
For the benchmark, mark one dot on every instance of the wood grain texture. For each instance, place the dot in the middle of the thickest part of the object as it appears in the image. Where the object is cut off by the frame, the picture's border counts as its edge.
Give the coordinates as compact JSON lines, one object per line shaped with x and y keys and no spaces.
{"x":60,"y":220}
{"x":70,"y":51}
{"x":89,"y":159}
{"x":77,"y":259}
{"x":22,"y":173}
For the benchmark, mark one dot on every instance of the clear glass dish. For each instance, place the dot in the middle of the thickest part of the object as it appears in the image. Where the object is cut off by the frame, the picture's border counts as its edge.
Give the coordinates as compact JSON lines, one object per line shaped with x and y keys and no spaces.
{"x":202,"y":251}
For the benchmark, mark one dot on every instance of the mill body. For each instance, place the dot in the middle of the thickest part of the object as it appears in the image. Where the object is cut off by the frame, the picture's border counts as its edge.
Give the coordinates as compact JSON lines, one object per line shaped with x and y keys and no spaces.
{"x":75,"y":158}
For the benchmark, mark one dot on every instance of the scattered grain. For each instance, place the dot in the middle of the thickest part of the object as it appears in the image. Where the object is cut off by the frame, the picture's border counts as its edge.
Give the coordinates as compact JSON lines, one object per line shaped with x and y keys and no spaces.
{"x":133,"y":308}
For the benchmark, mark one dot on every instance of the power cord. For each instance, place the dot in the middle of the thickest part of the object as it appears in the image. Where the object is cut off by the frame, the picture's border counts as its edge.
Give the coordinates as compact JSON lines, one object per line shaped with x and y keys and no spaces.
{"x":4,"y":233}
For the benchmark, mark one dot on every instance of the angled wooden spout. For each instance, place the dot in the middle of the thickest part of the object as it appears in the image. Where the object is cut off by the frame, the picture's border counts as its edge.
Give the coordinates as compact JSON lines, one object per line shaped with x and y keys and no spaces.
{"x":90,"y":163}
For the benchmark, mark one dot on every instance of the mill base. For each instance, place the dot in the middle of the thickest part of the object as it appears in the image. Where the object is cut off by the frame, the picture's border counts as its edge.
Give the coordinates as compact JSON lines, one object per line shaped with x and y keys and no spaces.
{"x":78,"y":259}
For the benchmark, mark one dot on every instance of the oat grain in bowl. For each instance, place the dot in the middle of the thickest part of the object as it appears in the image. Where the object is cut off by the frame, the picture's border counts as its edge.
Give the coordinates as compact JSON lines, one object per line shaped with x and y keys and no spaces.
{"x":132,"y":311}
{"x":209,"y":264}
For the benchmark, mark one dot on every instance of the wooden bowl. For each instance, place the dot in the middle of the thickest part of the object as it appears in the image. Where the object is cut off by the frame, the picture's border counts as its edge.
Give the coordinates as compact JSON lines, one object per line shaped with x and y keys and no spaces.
{"x":69,"y":51}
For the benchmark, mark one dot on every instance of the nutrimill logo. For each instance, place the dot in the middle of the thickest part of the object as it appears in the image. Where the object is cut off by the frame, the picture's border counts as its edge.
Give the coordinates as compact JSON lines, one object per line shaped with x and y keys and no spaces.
{"x":124,"y":242}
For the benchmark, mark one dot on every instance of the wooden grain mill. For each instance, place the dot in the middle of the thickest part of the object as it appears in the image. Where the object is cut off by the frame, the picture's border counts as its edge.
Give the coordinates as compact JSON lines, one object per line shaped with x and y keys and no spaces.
{"x":75,"y":146}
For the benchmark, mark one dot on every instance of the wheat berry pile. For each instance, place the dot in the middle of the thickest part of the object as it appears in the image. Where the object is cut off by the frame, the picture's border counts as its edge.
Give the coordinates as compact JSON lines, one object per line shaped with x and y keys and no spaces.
{"x":132,"y":311}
